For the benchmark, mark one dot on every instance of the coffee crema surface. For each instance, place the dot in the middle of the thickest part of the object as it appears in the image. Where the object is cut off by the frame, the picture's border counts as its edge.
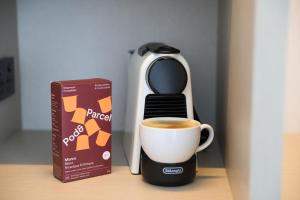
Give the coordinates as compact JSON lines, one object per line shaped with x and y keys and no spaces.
{"x":158,"y":123}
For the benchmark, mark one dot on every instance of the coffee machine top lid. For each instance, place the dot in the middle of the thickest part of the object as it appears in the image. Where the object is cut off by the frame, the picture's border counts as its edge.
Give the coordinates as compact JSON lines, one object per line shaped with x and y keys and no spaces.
{"x":157,"y":47}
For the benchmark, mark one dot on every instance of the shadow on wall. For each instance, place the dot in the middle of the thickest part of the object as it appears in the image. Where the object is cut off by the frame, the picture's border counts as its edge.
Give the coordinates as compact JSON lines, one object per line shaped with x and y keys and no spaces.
{"x":222,"y":70}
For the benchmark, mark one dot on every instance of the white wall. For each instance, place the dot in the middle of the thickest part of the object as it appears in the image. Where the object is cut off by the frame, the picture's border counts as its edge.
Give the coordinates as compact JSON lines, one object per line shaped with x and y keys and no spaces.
{"x":292,"y":95}
{"x":81,"y":39}
{"x":10,"y":111}
{"x":267,"y":100}
{"x":239,"y":94}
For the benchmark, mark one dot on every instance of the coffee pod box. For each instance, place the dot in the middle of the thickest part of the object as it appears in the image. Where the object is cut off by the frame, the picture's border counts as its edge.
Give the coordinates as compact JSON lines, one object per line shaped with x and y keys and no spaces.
{"x":81,"y":128}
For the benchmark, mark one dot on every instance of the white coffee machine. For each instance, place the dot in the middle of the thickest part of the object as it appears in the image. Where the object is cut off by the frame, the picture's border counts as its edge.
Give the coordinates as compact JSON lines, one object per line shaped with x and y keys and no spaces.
{"x":159,"y":85}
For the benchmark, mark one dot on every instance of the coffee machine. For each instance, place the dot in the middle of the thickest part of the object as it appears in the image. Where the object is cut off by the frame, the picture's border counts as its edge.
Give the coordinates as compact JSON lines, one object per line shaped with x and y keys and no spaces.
{"x":159,"y":85}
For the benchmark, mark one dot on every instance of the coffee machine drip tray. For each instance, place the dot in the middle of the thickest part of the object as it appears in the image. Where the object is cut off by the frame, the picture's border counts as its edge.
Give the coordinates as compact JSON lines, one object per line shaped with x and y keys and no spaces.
{"x":165,"y":105}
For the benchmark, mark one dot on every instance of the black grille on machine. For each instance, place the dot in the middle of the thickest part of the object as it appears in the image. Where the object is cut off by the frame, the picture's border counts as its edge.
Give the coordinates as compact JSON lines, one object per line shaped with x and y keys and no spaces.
{"x":165,"y":105}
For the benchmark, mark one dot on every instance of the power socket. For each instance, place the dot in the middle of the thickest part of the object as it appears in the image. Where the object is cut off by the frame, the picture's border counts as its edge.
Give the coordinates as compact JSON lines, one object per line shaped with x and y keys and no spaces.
{"x":7,"y":77}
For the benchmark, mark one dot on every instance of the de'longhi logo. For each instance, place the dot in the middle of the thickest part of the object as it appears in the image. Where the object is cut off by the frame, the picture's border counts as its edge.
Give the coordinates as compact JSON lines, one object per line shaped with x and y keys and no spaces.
{"x":173,"y":170}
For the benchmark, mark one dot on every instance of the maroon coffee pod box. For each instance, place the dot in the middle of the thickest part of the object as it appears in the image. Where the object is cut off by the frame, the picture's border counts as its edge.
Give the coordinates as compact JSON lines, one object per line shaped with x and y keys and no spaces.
{"x":81,"y":128}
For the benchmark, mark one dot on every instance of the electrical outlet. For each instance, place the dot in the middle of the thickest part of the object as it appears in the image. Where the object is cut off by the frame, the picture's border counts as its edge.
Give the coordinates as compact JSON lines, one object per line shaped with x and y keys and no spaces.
{"x":7,"y":77}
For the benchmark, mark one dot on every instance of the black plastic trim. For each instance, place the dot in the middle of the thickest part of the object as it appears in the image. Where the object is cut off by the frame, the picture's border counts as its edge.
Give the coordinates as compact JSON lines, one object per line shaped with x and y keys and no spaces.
{"x":165,"y":105}
{"x":166,"y":78}
{"x":157,"y":47}
{"x":154,"y":173}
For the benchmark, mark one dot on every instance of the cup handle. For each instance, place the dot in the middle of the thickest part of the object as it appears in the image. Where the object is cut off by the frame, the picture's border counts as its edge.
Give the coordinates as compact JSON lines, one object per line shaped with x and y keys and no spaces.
{"x":209,"y":139}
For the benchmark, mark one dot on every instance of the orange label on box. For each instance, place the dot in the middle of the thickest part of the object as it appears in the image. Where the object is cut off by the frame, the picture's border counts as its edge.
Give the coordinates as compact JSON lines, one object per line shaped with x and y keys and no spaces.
{"x":70,"y":103}
{"x":82,"y":142}
{"x":105,"y":104}
{"x":102,"y":138}
{"x":91,"y":127}
{"x":79,"y":116}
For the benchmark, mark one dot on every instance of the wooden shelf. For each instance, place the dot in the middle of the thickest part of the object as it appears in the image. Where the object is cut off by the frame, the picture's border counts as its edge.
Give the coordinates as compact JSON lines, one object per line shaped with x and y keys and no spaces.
{"x":291,"y":167}
{"x":26,"y":173}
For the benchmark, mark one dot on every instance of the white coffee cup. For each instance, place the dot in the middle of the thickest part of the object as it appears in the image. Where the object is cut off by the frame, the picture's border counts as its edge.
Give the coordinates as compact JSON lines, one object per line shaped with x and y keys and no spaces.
{"x":170,"y":140}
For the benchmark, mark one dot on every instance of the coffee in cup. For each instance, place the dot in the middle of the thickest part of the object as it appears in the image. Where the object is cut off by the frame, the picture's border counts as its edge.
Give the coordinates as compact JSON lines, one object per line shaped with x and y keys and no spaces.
{"x":173,"y":124}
